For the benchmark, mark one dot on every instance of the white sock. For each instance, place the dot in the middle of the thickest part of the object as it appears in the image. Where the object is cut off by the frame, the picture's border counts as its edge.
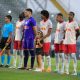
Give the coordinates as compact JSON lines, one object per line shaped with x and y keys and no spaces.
{"x":67,"y":59}
{"x":14,"y":58}
{"x":57,"y":61}
{"x":20,"y":58}
{"x":73,"y":55}
{"x":49,"y":61}
{"x":43,"y":59}
{"x":63,"y":59}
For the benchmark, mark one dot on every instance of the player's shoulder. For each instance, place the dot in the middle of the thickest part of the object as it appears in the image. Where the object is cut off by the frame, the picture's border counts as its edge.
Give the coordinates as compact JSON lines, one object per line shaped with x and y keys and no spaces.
{"x":75,"y":22}
{"x":64,"y":23}
{"x":10,"y":24}
{"x":49,"y":21}
{"x":32,"y":19}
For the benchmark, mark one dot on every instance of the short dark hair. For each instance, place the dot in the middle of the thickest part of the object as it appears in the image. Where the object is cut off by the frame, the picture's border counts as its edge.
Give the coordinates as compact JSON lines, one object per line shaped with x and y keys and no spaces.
{"x":9,"y":17}
{"x":72,"y":13}
{"x":45,"y":13}
{"x":60,"y":14}
{"x":21,"y":16}
{"x":29,"y":9}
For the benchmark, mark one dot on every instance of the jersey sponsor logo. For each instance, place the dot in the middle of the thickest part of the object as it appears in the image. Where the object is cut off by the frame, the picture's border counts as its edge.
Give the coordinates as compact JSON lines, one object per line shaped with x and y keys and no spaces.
{"x":26,"y":27}
{"x":43,"y":28}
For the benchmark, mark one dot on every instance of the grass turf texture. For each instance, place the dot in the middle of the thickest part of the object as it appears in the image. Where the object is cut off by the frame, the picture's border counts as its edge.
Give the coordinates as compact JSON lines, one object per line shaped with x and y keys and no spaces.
{"x":15,"y":74}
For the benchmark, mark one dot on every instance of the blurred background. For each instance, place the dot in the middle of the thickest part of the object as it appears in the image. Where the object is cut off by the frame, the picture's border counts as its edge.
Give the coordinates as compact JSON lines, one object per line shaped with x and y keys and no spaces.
{"x":15,"y":7}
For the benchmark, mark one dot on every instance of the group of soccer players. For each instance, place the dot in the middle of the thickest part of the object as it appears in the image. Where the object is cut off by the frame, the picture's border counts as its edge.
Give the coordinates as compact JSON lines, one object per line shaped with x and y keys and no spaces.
{"x":30,"y":40}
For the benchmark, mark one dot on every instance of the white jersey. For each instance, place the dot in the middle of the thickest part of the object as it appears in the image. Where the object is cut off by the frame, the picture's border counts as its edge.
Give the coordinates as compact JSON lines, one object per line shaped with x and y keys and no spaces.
{"x":44,"y":26}
{"x":18,"y":30}
{"x":59,"y":35}
{"x":70,"y":32}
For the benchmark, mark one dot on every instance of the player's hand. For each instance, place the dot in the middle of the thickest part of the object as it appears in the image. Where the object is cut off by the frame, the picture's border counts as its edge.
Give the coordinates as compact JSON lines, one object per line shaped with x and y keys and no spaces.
{"x":7,"y":43}
{"x":61,"y":42}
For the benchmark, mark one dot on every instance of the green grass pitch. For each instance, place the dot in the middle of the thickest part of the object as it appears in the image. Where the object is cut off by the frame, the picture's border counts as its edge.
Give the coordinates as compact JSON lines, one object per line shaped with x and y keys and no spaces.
{"x":15,"y":74}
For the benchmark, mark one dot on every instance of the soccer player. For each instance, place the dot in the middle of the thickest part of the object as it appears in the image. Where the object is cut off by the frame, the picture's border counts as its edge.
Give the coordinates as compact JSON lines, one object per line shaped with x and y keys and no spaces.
{"x":7,"y":31}
{"x":18,"y":42}
{"x":30,"y":31}
{"x":71,"y":35}
{"x":58,"y":43}
{"x":46,"y":28}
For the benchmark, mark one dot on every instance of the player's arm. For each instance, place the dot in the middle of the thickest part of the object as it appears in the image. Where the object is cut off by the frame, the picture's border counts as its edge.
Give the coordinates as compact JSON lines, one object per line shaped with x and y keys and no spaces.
{"x":35,"y":30}
{"x":10,"y":38}
{"x":77,"y":33}
{"x":76,"y":29}
{"x":48,"y":33}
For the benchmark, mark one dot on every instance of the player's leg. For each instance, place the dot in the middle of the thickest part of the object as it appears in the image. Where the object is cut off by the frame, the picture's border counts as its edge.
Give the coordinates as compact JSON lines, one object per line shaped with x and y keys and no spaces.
{"x":32,"y":52}
{"x":57,"y":57}
{"x":15,"y":50}
{"x":20,"y":58}
{"x":57,"y":62}
{"x":67,"y":58}
{"x":14,"y":58}
{"x":8,"y":57}
{"x":25,"y":52}
{"x":74,"y":63}
{"x":8,"y":49}
{"x":73,"y":55}
{"x":67,"y":61}
{"x":62,"y":57}
{"x":3,"y":56}
{"x":63,"y":61}
{"x":2,"y":60}
{"x":46,"y":50}
{"x":20,"y":54}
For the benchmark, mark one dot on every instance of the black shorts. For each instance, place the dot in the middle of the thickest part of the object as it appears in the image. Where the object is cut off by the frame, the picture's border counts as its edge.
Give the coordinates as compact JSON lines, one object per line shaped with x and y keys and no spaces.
{"x":3,"y":42}
{"x":39,"y":51}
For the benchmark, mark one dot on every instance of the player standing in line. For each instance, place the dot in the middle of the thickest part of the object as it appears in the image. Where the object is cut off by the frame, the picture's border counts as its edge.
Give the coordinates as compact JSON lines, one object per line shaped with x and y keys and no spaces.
{"x":58,"y":43}
{"x":71,"y":35}
{"x":30,"y":31}
{"x":7,"y":33}
{"x":46,"y":28}
{"x":18,"y":42}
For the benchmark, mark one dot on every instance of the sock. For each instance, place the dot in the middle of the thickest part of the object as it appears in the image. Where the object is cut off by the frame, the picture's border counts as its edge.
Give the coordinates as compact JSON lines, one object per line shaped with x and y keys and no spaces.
{"x":15,"y":58}
{"x":57,"y":61}
{"x":20,"y":58}
{"x":8,"y":59}
{"x":73,"y":55}
{"x":43,"y":59}
{"x":2,"y":59}
{"x":26,"y":56}
{"x":32,"y":58}
{"x":63,"y":59}
{"x":49,"y":61}
{"x":67,"y":59}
